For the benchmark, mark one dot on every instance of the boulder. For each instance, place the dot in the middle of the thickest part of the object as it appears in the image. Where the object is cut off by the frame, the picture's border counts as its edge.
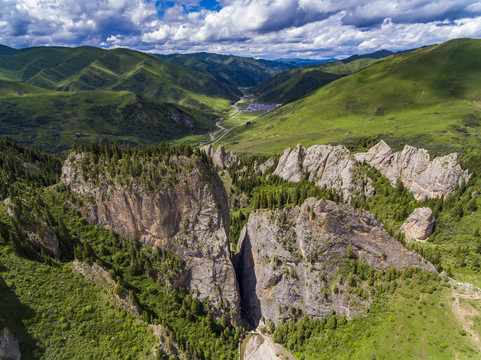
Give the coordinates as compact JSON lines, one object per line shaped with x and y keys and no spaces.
{"x":419,"y":225}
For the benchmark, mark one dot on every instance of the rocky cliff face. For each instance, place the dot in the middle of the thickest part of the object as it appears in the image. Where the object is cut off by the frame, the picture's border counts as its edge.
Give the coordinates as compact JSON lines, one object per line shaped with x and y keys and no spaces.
{"x":189,"y":217}
{"x":325,"y":165}
{"x":423,"y":177}
{"x":288,"y":258}
{"x":221,"y":157}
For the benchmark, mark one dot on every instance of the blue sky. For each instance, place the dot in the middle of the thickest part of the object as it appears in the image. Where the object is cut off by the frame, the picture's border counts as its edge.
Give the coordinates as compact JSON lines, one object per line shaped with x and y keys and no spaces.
{"x":259,"y":28}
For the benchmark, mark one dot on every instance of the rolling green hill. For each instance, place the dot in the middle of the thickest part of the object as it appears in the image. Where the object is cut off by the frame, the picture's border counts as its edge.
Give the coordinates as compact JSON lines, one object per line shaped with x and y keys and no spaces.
{"x":49,"y":120}
{"x":430,"y":94}
{"x":90,"y":68}
{"x":234,"y":70}
{"x":294,"y":84}
{"x":48,"y":94}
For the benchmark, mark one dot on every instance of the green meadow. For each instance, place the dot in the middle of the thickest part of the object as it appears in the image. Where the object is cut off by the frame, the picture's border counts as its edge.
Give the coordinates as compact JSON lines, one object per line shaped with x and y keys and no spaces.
{"x":432,"y":91}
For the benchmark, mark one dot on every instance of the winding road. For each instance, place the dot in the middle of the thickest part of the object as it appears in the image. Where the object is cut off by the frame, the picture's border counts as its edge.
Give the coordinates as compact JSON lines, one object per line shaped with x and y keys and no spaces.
{"x":223,"y":131}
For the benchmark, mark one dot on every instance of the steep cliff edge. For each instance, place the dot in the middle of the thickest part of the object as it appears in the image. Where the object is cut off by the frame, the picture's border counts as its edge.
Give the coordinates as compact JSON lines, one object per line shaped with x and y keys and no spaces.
{"x":421,"y":175}
{"x":288,"y":258}
{"x":325,"y":165}
{"x":174,"y":201}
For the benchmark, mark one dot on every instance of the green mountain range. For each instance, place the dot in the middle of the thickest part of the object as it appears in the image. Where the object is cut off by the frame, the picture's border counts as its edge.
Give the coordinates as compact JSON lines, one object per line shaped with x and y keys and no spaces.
{"x":296,"y":83}
{"x":54,"y":120}
{"x":234,"y":70}
{"x":90,"y":68}
{"x":49,"y":94}
{"x":430,"y":96}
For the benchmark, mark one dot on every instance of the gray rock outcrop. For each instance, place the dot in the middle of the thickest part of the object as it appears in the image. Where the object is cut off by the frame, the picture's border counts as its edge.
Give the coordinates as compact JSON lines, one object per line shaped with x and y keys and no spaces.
{"x":423,"y":177}
{"x":288,"y":258}
{"x":325,"y":165}
{"x":9,"y":348}
{"x":221,"y":157}
{"x":262,"y":168}
{"x":419,"y":225}
{"x":191,"y":220}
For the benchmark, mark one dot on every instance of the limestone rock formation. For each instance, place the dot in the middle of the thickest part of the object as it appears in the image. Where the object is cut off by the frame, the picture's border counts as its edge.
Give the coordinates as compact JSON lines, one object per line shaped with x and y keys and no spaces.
{"x":290,"y":167}
{"x":288,"y":257}
{"x":419,"y":225}
{"x":325,"y":165}
{"x":262,"y":168}
{"x":423,"y":177}
{"x":190,"y":219}
{"x":9,"y":348}
{"x":221,"y":157}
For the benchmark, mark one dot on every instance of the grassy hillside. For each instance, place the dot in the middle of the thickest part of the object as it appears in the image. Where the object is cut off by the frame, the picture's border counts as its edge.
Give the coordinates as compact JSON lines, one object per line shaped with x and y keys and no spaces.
{"x":417,"y":319}
{"x":344,"y":68}
{"x":293,"y":84}
{"x":296,"y":83}
{"x":90,"y":68}
{"x":434,"y":92}
{"x":48,"y":120}
{"x":234,"y":70}
{"x":55,"y":313}
{"x":48,"y":94}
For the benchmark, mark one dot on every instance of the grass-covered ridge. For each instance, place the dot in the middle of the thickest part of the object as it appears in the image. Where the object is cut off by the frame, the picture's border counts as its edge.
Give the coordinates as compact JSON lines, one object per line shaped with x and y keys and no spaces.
{"x":433,"y":90}
{"x":49,"y":94}
{"x":49,"y":120}
{"x":295,"y":83}
{"x":233,"y":70}
{"x":90,"y":68}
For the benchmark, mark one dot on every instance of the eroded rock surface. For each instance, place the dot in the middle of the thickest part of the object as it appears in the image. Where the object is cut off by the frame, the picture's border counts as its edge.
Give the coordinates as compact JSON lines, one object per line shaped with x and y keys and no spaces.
{"x":419,"y":225}
{"x":325,"y":165}
{"x":9,"y":348}
{"x":190,"y":219}
{"x":421,"y":175}
{"x":221,"y":157}
{"x":288,"y":257}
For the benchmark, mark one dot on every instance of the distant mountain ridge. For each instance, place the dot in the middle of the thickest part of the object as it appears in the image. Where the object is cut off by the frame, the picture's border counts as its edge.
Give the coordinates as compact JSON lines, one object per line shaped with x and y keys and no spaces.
{"x":90,"y":68}
{"x":234,"y":70}
{"x":304,"y":62}
{"x":296,"y":83}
